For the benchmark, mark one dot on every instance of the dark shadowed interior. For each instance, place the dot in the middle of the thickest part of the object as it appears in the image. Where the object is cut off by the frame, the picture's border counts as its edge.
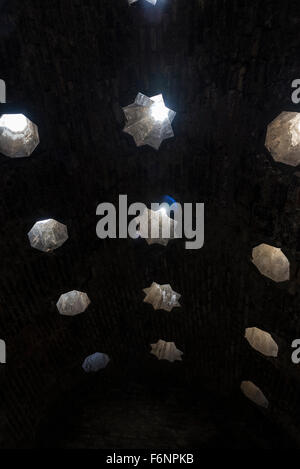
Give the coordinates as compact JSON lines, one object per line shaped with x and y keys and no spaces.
{"x":226,"y":68}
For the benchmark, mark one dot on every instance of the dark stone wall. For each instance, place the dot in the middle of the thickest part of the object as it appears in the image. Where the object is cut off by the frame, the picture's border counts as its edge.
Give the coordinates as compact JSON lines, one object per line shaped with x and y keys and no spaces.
{"x":226,"y":68}
{"x":157,"y":412}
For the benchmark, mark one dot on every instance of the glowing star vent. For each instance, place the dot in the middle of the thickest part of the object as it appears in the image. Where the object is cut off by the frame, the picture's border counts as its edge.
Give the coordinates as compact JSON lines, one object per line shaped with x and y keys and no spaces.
{"x":271,"y":262}
{"x":155,"y":226}
{"x":18,"y":135}
{"x":252,"y":392}
{"x":72,"y":303}
{"x":149,"y":121}
{"x":166,"y":351}
{"x":283,"y":138}
{"x":261,"y":341}
{"x":153,"y":2}
{"x":95,"y":362}
{"x":47,"y":235}
{"x":161,"y":297}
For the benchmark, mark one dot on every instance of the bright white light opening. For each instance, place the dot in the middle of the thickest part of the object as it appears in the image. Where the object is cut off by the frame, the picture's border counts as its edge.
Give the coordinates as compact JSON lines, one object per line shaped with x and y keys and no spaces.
{"x":16,"y":123}
{"x":159,"y":111}
{"x":45,"y":221}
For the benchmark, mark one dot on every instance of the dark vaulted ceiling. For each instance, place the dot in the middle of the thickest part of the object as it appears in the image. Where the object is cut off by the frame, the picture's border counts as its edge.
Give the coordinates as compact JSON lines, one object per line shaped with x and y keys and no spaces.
{"x":226,"y":68}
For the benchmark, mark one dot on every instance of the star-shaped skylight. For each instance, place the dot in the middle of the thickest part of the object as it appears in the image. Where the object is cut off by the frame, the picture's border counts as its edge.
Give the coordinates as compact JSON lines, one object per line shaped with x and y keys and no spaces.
{"x":156,"y":226}
{"x":149,"y":121}
{"x":166,"y":351}
{"x":161,"y":297}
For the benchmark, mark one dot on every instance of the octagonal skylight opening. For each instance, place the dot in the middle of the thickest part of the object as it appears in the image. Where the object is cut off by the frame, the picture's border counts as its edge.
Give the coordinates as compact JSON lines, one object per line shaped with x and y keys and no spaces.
{"x":261,"y":341}
{"x":72,"y":303}
{"x":48,"y":235}
{"x":271,"y":262}
{"x":283,"y":138}
{"x":95,"y":362}
{"x":252,"y":392}
{"x":18,"y":135}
